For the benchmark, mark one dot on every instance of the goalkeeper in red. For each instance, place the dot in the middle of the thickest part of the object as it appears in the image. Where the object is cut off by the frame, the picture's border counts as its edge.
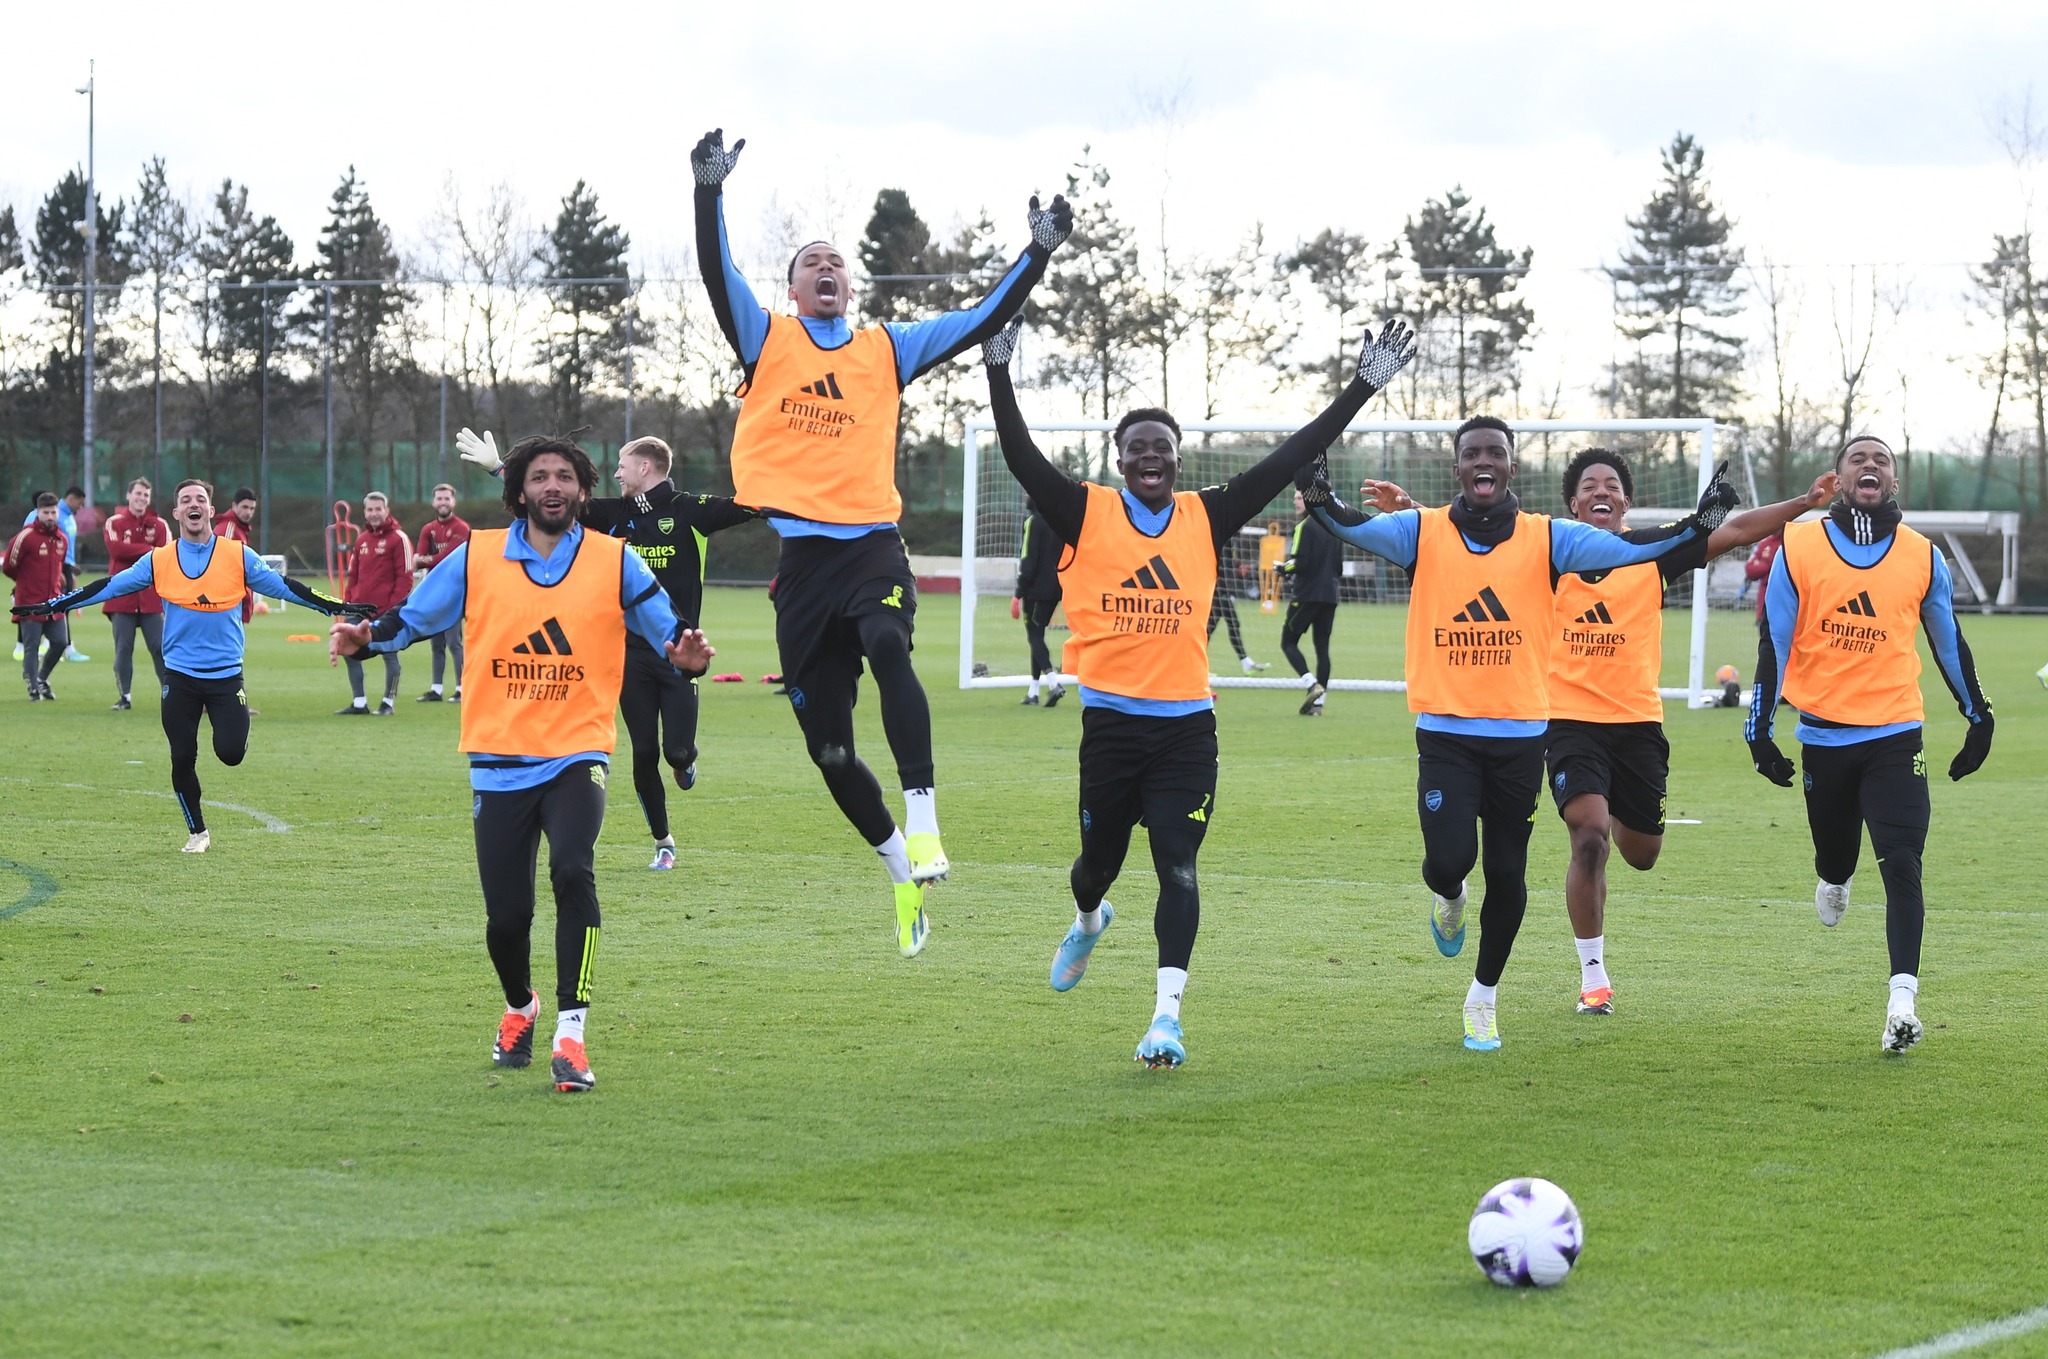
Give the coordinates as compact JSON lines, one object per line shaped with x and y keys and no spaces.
{"x":1138,"y":577}
{"x":201,"y":580}
{"x":815,"y":451}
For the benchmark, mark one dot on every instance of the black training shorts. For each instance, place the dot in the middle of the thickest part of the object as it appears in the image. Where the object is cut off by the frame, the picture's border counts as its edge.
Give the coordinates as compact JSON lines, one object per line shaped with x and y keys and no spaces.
{"x":823,"y":588}
{"x":1625,"y":762}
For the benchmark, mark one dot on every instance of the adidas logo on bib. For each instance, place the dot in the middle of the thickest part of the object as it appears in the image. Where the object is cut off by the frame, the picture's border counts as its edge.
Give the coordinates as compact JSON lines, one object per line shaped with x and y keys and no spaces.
{"x":1860,"y":605}
{"x":1597,"y":614}
{"x":826,"y":386}
{"x":1485,"y":609}
{"x":537,"y":641}
{"x":1153,"y":575}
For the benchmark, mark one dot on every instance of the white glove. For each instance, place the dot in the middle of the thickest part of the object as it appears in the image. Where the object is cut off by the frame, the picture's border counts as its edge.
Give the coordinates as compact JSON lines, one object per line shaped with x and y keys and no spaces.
{"x":998,"y":349}
{"x":481,"y":450}
{"x":1381,"y":359}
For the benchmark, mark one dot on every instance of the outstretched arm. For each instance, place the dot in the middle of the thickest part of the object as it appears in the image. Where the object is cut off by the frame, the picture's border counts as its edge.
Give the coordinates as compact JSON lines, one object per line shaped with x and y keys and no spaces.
{"x":1062,"y":500}
{"x":740,"y":315}
{"x":923,"y":345}
{"x":140,"y":576}
{"x":1753,"y":526}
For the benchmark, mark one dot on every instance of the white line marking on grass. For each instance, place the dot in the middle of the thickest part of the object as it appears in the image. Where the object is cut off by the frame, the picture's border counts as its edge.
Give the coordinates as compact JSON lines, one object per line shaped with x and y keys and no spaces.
{"x":276,"y":825}
{"x":1970,"y":1337}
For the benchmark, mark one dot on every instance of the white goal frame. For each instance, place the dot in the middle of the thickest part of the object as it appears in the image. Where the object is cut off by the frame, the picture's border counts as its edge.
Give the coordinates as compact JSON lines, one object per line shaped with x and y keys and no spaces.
{"x":1695,"y":693}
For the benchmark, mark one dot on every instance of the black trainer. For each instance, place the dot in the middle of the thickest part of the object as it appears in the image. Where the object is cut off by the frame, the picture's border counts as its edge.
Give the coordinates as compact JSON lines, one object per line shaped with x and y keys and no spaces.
{"x":431,"y":696}
{"x":512,"y":1045}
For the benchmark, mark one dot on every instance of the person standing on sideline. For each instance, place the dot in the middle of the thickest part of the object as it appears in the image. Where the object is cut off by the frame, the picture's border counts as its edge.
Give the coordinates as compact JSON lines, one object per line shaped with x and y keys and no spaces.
{"x":236,"y":522}
{"x":1846,"y":595}
{"x":68,"y":510}
{"x":1224,"y":607}
{"x":379,"y":573}
{"x":35,"y":562}
{"x":1038,"y":594}
{"x":201,"y":579}
{"x":1140,"y":570}
{"x":1315,"y":566}
{"x":442,"y":535}
{"x":1477,"y":661}
{"x":815,"y":450}
{"x":133,"y":532}
{"x":547,"y":606}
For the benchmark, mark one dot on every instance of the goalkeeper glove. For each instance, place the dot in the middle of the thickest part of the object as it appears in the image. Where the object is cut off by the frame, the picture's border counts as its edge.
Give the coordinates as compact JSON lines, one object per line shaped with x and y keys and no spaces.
{"x":357,"y":613}
{"x":710,"y":162}
{"x":1050,"y":225}
{"x":480,"y":449}
{"x":1715,"y":501}
{"x":1381,"y":359}
{"x":1976,"y":745}
{"x":998,"y":349}
{"x":1770,"y":761}
{"x":23,"y":612}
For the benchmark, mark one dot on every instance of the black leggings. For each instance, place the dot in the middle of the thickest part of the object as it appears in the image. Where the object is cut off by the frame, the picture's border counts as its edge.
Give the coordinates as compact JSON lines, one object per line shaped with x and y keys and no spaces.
{"x":826,"y":716}
{"x":226,"y":706}
{"x":1464,"y":784}
{"x":1160,"y":771}
{"x":126,"y":625}
{"x":1037,"y":613}
{"x":1316,"y":620}
{"x":569,"y":810}
{"x":1225,"y":608}
{"x":1881,"y":784}
{"x":660,"y":707}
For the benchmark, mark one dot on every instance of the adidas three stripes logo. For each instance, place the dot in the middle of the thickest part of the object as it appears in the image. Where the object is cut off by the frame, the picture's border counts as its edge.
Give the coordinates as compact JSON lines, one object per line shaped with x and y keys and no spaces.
{"x":536,"y":643}
{"x":1485,"y":609}
{"x":1860,"y":605}
{"x":1153,"y":575}
{"x":826,"y":386}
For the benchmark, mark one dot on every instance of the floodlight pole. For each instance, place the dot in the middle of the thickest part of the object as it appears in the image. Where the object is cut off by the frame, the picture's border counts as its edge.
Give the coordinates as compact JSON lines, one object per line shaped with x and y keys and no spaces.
{"x":327,"y":387}
{"x":91,"y":230}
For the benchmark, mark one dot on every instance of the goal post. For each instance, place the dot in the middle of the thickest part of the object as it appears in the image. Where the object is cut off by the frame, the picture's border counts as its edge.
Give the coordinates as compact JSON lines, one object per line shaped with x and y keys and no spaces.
{"x":1671,"y":460}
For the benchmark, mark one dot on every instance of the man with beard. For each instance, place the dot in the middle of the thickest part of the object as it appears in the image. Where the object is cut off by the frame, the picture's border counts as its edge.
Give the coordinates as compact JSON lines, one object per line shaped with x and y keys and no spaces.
{"x":442,"y":535}
{"x":1478,"y":648}
{"x":133,"y":532}
{"x":1844,"y":598}
{"x":547,"y":606}
{"x":201,"y":579}
{"x":379,"y":573}
{"x":815,"y":450}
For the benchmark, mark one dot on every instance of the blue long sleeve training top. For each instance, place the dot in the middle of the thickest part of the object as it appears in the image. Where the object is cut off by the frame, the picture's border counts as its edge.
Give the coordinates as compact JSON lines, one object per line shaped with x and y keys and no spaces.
{"x":1574,"y":546}
{"x":1937,"y":616}
{"x":436,"y":605}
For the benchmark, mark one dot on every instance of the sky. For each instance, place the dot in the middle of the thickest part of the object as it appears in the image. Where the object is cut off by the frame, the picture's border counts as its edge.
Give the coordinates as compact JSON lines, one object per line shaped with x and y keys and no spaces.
{"x":1835,"y":134}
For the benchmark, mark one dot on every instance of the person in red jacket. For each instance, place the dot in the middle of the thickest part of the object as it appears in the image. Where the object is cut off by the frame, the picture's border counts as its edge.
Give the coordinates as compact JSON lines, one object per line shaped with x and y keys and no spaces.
{"x":234,"y":523}
{"x":439,"y":538}
{"x":379,"y":573}
{"x":1758,"y":569}
{"x":35,"y":560}
{"x":133,"y":532}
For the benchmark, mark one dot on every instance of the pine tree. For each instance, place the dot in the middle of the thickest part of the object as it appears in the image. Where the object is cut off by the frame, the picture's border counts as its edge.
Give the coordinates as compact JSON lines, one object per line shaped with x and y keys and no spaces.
{"x":239,"y":252}
{"x":588,"y":337}
{"x":162,"y":246}
{"x":58,"y":263}
{"x":894,"y":251}
{"x":1463,"y":298}
{"x":1678,"y":276}
{"x":355,"y":246}
{"x":1338,"y":265}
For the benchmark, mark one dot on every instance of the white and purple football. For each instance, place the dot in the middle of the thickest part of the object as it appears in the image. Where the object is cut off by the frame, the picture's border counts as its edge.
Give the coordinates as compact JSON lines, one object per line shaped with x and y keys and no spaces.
{"x":1526,"y":1234}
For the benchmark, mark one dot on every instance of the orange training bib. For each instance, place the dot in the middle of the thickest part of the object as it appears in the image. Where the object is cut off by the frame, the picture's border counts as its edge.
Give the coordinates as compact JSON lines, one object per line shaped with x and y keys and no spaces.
{"x":816,"y":436}
{"x":1854,"y":659}
{"x":542,"y":665}
{"x":1479,"y":623}
{"x":1609,"y":646}
{"x":218,"y":588}
{"x":1138,"y":607}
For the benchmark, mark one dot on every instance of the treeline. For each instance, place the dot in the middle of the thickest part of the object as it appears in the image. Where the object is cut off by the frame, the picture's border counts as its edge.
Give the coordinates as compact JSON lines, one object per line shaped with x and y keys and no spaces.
{"x":219,"y":334}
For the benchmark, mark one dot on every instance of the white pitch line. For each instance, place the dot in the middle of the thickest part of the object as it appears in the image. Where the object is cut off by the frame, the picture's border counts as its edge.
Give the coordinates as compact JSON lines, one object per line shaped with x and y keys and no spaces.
{"x":276,"y":825}
{"x":1970,"y":1337}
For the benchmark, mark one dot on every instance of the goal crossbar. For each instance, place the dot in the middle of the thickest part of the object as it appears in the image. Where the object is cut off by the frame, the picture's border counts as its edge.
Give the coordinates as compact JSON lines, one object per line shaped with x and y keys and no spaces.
{"x":1695,"y":692}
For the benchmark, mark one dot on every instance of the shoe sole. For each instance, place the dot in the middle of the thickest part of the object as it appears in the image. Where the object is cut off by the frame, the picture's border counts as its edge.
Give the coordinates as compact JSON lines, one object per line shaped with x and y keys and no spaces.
{"x":931,"y":873}
{"x":1605,"y":1007}
{"x":514,"y":1059}
{"x":1482,"y":1044}
{"x":1899,"y":1037}
{"x":573,"y":1083}
{"x":1162,"y":1061}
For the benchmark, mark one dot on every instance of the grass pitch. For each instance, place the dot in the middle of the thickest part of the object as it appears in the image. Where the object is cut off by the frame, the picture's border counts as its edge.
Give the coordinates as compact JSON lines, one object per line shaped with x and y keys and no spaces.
{"x":248,"y":1106}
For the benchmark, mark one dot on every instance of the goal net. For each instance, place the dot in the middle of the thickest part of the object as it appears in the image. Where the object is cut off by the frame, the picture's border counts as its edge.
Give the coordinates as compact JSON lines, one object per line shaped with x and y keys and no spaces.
{"x":1670,"y":460}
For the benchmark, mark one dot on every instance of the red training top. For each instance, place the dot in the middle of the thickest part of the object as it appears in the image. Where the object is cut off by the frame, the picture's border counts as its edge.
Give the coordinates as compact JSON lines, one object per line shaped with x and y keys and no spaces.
{"x":35,"y":558}
{"x":439,"y":538}
{"x":129,"y":540}
{"x":1758,"y":567}
{"x":377,"y":569}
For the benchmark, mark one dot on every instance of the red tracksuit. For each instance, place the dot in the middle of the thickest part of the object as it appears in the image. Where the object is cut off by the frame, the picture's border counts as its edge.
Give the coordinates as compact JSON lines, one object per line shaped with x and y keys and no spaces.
{"x":1758,"y":567}
{"x":377,"y":571}
{"x":35,"y":558}
{"x":129,"y":540}
{"x":226,"y":525}
{"x":439,"y":538}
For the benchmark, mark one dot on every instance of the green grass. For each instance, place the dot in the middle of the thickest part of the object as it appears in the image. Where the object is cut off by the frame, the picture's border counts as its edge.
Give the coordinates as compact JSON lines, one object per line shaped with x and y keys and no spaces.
{"x":801,"y":1144}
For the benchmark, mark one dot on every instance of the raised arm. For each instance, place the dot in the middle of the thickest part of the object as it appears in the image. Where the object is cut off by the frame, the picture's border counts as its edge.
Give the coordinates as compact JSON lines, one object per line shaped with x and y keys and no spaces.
{"x":923,"y":345}
{"x":1581,"y":547}
{"x":740,"y":315}
{"x":1753,"y":526}
{"x":1060,"y":499}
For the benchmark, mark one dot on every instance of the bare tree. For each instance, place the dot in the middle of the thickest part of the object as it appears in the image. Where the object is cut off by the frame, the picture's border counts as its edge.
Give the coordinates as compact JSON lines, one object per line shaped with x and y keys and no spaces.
{"x":1235,"y":316}
{"x":1796,"y":423}
{"x":2022,"y":132}
{"x":164,"y":238}
{"x":492,"y":245}
{"x":1852,"y":354}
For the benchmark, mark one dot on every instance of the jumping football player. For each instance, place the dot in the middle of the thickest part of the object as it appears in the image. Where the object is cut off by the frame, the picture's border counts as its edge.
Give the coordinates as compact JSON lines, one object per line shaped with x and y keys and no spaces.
{"x":201,"y":580}
{"x":1138,"y":576}
{"x":547,"y":606}
{"x":815,"y":449}
{"x":1844,"y":598}
{"x":1478,"y":646}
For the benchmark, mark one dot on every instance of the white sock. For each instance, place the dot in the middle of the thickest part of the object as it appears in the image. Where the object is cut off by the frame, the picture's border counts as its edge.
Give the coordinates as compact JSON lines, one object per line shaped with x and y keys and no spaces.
{"x":1308,"y":681}
{"x":665,"y":842}
{"x":569,"y":1024}
{"x":1475,"y":994}
{"x":359,"y":702}
{"x":1905,"y":991}
{"x":921,"y":811}
{"x":1592,"y":971}
{"x":895,"y":856}
{"x":1034,"y":688}
{"x":433,"y":688}
{"x":1172,"y":981}
{"x":531,"y":1009}
{"x":1091,"y":921}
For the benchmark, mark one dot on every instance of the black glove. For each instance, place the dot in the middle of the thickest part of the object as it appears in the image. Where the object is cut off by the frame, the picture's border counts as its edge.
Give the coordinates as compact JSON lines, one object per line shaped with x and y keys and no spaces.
{"x":22,"y":612}
{"x":358,"y":613}
{"x":1052,"y":225}
{"x":710,"y":162}
{"x":1771,"y":762}
{"x":1316,"y":493}
{"x":998,"y":349}
{"x":1716,"y":501}
{"x":1976,"y":745}
{"x":1381,"y":359}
